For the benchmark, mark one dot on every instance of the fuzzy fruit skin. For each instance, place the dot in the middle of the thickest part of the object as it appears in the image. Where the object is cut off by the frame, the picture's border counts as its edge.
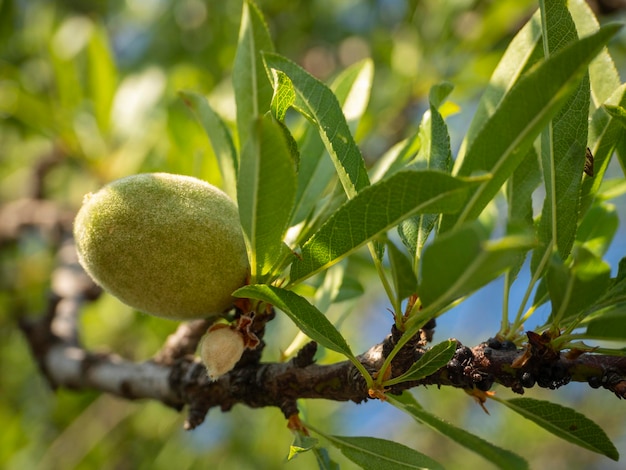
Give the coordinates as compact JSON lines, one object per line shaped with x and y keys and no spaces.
{"x":168,"y":245}
{"x":220,"y":349}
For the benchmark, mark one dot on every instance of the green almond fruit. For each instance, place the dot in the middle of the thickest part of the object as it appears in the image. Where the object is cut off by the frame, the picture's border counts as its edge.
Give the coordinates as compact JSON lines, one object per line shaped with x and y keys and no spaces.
{"x":168,"y":245}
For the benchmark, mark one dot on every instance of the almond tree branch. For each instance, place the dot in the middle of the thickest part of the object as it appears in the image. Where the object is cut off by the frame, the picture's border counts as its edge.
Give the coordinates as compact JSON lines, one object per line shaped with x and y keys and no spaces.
{"x":177,"y":379}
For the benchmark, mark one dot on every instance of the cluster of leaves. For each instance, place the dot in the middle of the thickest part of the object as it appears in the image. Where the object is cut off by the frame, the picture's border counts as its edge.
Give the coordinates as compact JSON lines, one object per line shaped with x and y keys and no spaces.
{"x":307,"y":202}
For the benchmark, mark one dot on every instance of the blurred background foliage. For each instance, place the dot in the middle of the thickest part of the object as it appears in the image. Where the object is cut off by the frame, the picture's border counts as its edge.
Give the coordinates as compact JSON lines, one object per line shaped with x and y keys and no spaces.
{"x":88,"y":93}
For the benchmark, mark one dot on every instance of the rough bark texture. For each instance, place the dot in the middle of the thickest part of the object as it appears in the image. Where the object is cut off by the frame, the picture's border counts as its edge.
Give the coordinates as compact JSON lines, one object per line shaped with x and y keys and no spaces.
{"x":176,"y":378}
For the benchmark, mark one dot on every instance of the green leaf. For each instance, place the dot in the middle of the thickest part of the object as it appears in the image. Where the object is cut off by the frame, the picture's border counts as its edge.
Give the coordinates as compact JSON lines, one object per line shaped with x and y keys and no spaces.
{"x":603,"y":74}
{"x":318,"y":103}
{"x":459,"y":262}
{"x":605,"y":133}
{"x":522,"y":52}
{"x":563,"y":144}
{"x":352,"y":88}
{"x":506,"y":136}
{"x":573,"y":289}
{"x":253,"y":91}
{"x":434,"y":154}
{"x":375,"y":210}
{"x":317,"y":172}
{"x":501,"y":458}
{"x":371,"y":453}
{"x":265,"y":192}
{"x":564,"y":423}
{"x":403,"y":276}
{"x":309,"y":319}
{"x":432,"y":360}
{"x":606,"y":317}
{"x":219,"y":136}
{"x":300,"y":445}
{"x":103,"y":76}
{"x":519,"y":194}
{"x":617,"y":112}
{"x":598,"y":227}
{"x":284,"y":96}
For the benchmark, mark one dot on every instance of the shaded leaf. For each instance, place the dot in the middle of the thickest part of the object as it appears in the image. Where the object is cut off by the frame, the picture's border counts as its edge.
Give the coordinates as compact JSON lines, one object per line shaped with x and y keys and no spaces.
{"x":501,"y":458}
{"x":565,"y":423}
{"x":573,"y":289}
{"x":403,"y":276}
{"x":459,"y":262}
{"x":563,"y":144}
{"x":219,"y":136}
{"x":522,"y":52}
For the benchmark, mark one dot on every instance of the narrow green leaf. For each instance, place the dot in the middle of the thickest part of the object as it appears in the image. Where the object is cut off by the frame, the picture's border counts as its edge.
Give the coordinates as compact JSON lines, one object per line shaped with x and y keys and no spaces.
{"x":617,"y":112}
{"x":432,"y":360}
{"x":284,"y":96}
{"x":372,"y":453}
{"x":519,"y":193}
{"x":603,"y":74}
{"x":265,"y":193}
{"x":434,"y":154}
{"x":300,"y":445}
{"x":563,"y":143}
{"x":403,"y":276}
{"x":501,"y":458}
{"x":307,"y":317}
{"x":375,"y":210}
{"x":459,"y":262}
{"x":521,"y":115}
{"x":573,"y":289}
{"x":565,"y":423}
{"x":522,"y":52}
{"x":606,"y":318}
{"x":318,"y":103}
{"x":103,"y":76}
{"x":219,"y":136}
{"x":253,"y":91}
{"x":317,"y":172}
{"x":598,"y":227}
{"x":608,"y":323}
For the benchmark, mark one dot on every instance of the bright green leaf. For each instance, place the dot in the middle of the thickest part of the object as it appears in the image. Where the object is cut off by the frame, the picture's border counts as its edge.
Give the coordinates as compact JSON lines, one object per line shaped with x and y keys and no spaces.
{"x":504,"y":140}
{"x":573,"y":289}
{"x":318,"y":103}
{"x":565,"y":423}
{"x":501,"y":458}
{"x":403,"y":276}
{"x":432,"y":360}
{"x":375,"y":210}
{"x":307,"y":317}
{"x":253,"y":91}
